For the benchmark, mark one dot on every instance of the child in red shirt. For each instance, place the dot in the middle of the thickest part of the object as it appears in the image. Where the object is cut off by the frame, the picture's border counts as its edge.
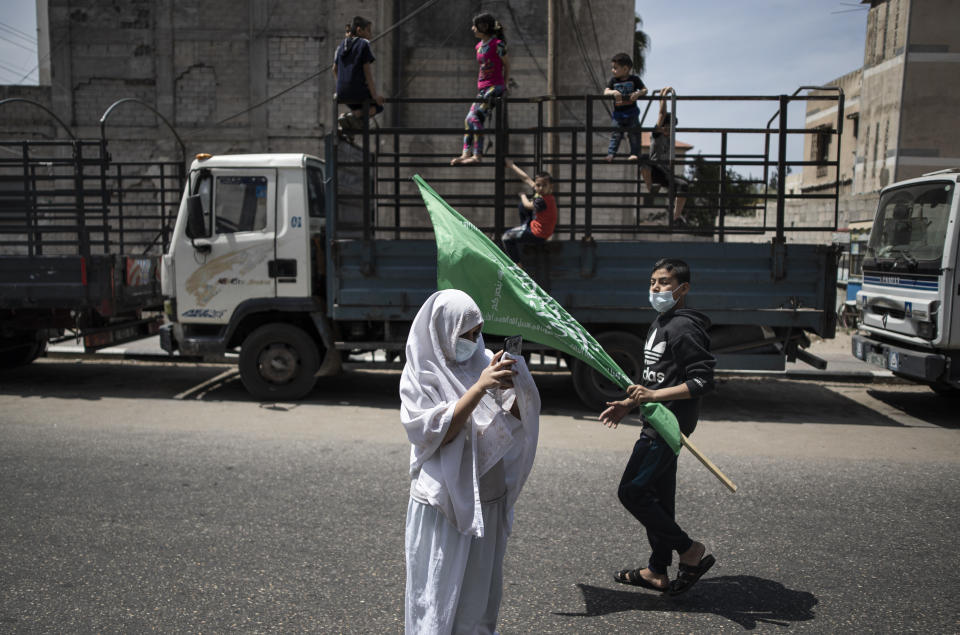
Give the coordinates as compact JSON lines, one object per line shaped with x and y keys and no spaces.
{"x":538,"y":215}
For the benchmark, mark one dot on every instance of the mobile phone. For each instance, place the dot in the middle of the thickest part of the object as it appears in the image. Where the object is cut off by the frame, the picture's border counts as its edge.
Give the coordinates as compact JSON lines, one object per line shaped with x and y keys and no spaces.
{"x":513,"y":344}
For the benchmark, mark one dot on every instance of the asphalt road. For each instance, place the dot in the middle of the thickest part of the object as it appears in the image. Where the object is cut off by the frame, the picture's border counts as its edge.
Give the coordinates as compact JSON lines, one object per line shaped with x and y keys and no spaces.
{"x":123,"y":509}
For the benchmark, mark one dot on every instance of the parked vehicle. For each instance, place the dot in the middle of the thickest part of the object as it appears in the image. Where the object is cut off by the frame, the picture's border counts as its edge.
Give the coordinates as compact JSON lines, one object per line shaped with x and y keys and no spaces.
{"x":80,"y":238}
{"x":910,"y":302}
{"x":305,"y":266}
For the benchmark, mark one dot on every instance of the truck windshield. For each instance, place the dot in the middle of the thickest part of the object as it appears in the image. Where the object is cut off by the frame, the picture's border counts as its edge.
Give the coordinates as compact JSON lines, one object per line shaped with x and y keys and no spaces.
{"x":911,"y":226}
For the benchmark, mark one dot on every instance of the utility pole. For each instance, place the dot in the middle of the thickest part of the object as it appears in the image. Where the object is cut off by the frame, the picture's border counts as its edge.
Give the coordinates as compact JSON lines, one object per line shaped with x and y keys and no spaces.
{"x":552,"y":81}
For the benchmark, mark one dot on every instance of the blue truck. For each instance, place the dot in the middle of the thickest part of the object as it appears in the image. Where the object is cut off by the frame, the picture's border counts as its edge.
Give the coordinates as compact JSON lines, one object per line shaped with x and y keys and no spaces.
{"x":308,"y":265}
{"x":305,"y":265}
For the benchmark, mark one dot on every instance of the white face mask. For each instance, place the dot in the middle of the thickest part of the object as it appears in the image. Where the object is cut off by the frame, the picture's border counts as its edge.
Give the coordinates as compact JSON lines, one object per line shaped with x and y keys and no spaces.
{"x":662,"y":301}
{"x":465,"y":349}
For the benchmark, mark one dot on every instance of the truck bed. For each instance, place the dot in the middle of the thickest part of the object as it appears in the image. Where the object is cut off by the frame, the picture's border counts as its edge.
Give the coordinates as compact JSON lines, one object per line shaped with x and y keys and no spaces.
{"x":605,"y":282}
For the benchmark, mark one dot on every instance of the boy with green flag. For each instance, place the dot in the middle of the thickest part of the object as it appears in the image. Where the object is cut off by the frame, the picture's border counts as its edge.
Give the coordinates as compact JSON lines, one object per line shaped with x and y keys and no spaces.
{"x":678,"y":369}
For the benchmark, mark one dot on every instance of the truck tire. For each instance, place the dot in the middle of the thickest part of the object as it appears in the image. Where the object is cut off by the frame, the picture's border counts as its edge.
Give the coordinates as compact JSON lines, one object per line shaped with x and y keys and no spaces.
{"x":595,"y":390}
{"x":279,"y":362}
{"x":20,"y":352}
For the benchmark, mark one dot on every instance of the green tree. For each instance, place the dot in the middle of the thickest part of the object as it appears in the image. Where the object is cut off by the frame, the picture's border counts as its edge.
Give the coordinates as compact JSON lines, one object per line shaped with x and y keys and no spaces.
{"x":775,"y":179}
{"x":641,"y":44}
{"x":704,"y":200}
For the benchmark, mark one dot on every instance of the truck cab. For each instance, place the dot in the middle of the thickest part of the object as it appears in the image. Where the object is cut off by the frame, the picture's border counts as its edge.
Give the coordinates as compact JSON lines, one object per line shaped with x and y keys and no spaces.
{"x":240,"y":271}
{"x":910,"y":302}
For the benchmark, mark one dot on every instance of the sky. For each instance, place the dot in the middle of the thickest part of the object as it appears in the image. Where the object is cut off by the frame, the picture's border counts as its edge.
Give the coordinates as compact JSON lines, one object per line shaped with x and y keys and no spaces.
{"x":18,"y":42}
{"x":700,"y":47}
{"x":748,"y":47}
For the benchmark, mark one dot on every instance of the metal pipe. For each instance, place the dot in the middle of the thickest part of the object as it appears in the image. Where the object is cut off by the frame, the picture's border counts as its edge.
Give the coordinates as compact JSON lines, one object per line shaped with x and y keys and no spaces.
{"x":109,"y":111}
{"x":4,"y":102}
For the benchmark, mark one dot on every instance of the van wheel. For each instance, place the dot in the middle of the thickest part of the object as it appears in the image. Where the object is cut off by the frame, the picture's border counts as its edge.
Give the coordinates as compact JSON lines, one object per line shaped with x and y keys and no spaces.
{"x":279,"y":362}
{"x":595,"y":390}
{"x":21,"y":351}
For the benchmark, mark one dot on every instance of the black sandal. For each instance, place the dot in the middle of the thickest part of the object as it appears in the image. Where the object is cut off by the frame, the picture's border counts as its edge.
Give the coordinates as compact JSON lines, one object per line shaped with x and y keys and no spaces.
{"x":633,"y":578}
{"x":689,"y":574}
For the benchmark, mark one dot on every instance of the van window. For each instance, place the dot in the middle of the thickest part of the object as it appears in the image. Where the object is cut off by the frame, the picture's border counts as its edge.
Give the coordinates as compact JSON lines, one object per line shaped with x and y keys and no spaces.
{"x":912,"y":225}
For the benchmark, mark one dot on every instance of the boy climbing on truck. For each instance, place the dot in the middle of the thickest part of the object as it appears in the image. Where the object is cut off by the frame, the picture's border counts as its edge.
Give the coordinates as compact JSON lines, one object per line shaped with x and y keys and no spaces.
{"x":538,"y":216}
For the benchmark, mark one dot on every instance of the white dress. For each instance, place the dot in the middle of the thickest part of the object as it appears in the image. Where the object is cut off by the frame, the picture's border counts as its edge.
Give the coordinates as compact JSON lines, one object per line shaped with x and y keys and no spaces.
{"x":461,"y":494}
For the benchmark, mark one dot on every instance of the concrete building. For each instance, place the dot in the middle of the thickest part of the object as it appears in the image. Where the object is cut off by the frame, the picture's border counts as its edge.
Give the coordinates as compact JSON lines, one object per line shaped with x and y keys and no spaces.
{"x":254,"y":75}
{"x":900,"y":112}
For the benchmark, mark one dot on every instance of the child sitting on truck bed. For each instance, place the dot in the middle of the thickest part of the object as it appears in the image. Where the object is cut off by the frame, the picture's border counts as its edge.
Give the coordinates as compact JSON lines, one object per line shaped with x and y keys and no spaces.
{"x":538,"y":216}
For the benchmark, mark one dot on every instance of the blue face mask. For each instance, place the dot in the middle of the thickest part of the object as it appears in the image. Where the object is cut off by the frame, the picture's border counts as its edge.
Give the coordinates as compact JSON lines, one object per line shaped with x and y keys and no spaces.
{"x":465,"y":349}
{"x":662,"y":301}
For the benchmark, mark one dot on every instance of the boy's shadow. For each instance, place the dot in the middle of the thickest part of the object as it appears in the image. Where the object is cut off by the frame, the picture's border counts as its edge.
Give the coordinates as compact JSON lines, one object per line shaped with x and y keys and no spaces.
{"x":743,"y":599}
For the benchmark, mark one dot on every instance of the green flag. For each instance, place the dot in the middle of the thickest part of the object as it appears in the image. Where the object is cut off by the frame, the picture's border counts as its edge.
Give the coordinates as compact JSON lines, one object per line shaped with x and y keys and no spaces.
{"x":512,"y":303}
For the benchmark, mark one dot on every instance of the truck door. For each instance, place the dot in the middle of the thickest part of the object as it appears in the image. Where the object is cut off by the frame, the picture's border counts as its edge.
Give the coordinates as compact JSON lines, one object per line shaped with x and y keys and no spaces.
{"x":232,"y":262}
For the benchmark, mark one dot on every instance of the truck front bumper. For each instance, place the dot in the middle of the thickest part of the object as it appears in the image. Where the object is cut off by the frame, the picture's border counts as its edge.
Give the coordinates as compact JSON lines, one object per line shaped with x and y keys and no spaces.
{"x":918,"y":365}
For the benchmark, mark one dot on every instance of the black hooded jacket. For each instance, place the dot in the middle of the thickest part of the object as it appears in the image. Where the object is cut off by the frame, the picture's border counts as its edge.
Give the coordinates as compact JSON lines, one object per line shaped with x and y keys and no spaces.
{"x":677,"y":351}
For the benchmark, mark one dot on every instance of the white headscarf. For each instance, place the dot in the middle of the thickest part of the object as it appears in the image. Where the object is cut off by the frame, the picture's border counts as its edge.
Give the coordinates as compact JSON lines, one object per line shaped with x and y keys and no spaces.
{"x":447,"y":476}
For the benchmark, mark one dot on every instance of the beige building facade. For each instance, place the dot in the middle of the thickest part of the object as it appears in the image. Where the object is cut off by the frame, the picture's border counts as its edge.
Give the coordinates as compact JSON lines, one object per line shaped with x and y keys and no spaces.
{"x":900,"y":115}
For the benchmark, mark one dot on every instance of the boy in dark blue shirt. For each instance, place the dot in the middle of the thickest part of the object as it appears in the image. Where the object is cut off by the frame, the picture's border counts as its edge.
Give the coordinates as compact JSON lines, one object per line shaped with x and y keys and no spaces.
{"x":678,"y":369}
{"x":625,"y":89}
{"x":351,"y":67}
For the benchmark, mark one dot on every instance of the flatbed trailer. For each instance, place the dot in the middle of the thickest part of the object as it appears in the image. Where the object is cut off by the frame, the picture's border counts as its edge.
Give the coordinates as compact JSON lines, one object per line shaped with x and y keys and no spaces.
{"x":80,"y":244}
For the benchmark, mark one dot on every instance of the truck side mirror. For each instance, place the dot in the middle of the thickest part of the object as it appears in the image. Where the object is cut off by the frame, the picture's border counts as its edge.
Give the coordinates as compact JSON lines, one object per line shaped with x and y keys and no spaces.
{"x":196,"y":227}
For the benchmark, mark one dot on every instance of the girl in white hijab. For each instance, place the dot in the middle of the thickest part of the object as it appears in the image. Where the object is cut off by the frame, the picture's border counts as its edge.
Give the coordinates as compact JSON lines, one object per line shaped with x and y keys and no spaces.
{"x":472,"y":418}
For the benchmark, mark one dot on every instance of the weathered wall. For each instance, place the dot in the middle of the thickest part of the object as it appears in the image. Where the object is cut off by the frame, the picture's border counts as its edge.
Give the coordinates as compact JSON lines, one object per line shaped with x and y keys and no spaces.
{"x":929,"y":135}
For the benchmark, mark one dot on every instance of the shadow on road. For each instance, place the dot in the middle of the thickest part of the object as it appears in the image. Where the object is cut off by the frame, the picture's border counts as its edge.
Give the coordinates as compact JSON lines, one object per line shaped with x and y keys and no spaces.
{"x":735,"y":399}
{"x":926,"y":405}
{"x":786,"y":401}
{"x":743,"y":599}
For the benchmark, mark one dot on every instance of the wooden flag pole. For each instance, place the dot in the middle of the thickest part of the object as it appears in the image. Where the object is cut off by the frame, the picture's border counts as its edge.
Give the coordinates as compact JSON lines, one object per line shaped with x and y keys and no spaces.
{"x":708,"y":463}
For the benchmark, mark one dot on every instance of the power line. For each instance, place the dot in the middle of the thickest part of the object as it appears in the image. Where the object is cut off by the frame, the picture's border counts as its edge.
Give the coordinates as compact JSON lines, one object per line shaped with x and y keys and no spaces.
{"x":24,"y":47}
{"x":10,"y":69}
{"x":26,"y":36}
{"x":52,"y":50}
{"x":422,"y":65}
{"x":327,"y":69}
{"x":533,"y":57}
{"x":581,"y":46}
{"x":5,"y":70}
{"x":593,"y":26}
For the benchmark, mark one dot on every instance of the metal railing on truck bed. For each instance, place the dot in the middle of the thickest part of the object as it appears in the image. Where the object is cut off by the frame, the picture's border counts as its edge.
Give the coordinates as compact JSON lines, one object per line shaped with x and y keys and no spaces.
{"x":763,"y":297}
{"x":594,"y":197}
{"x":69,"y":198}
{"x":80,"y":241}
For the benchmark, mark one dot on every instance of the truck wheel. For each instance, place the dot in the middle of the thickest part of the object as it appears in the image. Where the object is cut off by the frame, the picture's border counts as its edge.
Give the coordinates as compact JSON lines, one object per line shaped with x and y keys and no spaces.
{"x":15,"y":353}
{"x":279,"y":362}
{"x":594,"y":389}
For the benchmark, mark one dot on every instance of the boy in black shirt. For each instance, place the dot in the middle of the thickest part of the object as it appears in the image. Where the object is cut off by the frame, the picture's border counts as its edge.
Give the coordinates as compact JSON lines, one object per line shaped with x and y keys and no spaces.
{"x":678,"y":369}
{"x":351,"y":68}
{"x":625,"y":90}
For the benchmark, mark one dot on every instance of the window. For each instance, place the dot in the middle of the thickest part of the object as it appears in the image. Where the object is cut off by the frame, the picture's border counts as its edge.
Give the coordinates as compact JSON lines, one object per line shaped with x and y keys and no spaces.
{"x":241,"y":204}
{"x":821,"y":149}
{"x":912,"y":225}
{"x":315,"y":192}
{"x":203,"y":187}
